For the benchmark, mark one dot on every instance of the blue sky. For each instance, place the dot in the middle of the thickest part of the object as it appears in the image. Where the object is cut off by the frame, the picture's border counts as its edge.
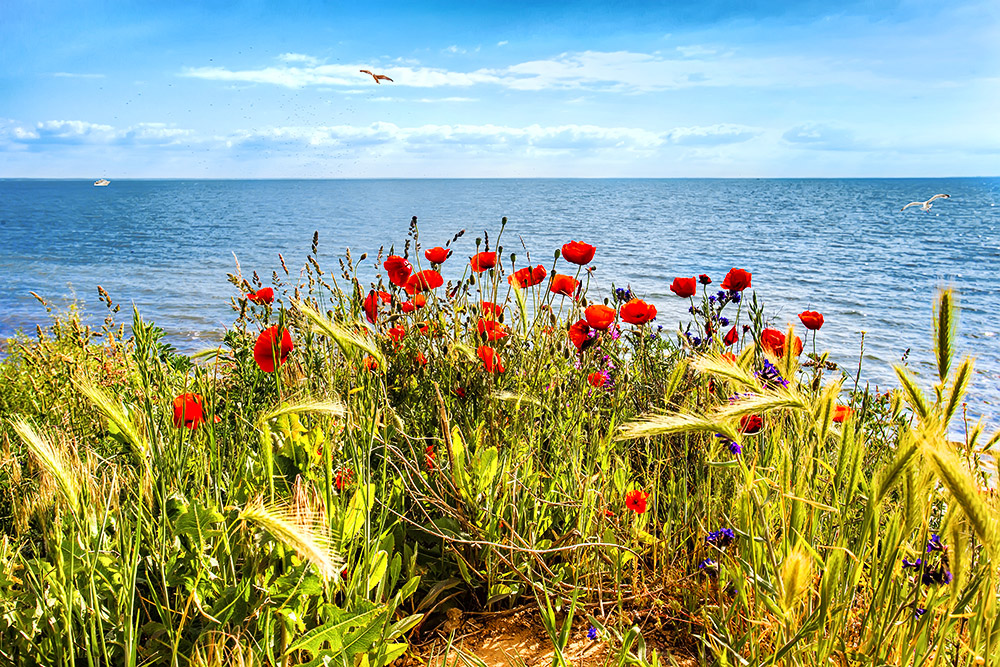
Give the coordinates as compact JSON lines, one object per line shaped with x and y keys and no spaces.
{"x":513,"y":89}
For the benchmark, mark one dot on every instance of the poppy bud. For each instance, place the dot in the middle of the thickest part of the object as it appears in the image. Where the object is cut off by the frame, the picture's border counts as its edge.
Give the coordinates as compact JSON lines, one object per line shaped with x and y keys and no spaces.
{"x":556,"y":254}
{"x":478,"y":242}
{"x":364,"y":256}
{"x":513,"y":257}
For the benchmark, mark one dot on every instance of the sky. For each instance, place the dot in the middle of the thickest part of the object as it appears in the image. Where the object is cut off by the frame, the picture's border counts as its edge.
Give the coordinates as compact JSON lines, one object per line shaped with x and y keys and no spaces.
{"x":704,"y":88}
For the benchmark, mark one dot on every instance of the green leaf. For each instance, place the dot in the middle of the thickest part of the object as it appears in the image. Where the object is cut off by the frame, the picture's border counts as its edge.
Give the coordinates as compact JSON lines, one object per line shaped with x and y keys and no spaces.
{"x":378,"y":567}
{"x":198,"y":522}
{"x":334,"y":631}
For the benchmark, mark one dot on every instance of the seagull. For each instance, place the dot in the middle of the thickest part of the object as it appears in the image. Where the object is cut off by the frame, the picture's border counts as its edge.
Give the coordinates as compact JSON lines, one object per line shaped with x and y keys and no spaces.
{"x":379,"y":78}
{"x":924,"y":205}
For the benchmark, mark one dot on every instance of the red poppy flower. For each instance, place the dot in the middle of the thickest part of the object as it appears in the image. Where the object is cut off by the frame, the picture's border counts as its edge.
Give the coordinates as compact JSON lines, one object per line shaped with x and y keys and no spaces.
{"x":482,"y":261}
{"x":272,"y":348}
{"x":490,"y":308}
{"x":732,"y":336}
{"x":491,"y":329}
{"x":399,"y":270}
{"x":704,"y":279}
{"x":600,"y":316}
{"x":751,"y":424}
{"x":397,"y":334}
{"x":773,"y":341}
{"x":565,"y":285}
{"x":423,"y":281}
{"x":811,"y":319}
{"x":370,"y":305}
{"x":436,"y":255}
{"x":635,"y":500}
{"x":528,"y":277}
{"x":261,"y":296}
{"x":343,"y":478}
{"x":418,"y":301}
{"x":371,"y":363}
{"x":578,"y":253}
{"x":189,"y":411}
{"x":429,"y":455}
{"x":597,"y":379}
{"x":840,"y":413}
{"x":684,"y":287}
{"x":736,"y":280}
{"x":638,"y":311}
{"x":582,"y":335}
{"x":459,"y":391}
{"x":491,"y":360}
{"x":421,"y":359}
{"x":729,"y":356}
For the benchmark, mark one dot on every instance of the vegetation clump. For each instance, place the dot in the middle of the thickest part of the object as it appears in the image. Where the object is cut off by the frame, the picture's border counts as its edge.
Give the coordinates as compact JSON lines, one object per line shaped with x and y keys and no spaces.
{"x":358,"y":463}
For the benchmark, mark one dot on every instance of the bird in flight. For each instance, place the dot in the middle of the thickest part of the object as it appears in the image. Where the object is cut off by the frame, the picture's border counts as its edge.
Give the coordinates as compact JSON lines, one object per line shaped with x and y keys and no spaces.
{"x":379,"y":78}
{"x":924,"y":205}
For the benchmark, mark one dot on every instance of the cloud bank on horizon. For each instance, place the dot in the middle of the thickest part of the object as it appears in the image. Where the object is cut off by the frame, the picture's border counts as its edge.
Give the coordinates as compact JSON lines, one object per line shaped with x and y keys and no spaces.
{"x":696,"y":89}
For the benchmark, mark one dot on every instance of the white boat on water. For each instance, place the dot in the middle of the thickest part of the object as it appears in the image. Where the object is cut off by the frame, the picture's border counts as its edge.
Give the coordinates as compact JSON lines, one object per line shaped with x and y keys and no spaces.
{"x":102,"y":182}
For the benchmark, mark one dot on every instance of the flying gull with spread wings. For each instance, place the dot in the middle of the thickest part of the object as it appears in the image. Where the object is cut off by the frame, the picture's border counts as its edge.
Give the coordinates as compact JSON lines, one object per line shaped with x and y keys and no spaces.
{"x":379,"y":78}
{"x":924,"y":205}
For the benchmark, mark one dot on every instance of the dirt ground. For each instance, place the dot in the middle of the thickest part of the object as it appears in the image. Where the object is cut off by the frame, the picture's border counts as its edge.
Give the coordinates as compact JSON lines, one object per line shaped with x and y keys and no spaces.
{"x":519,"y":640}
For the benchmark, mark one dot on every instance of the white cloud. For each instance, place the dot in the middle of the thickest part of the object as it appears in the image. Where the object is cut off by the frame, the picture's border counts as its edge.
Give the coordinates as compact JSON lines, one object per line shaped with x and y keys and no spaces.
{"x":823,"y":136}
{"x":618,"y":71}
{"x":78,"y":132}
{"x":309,"y":61}
{"x":712,"y":135}
{"x":696,"y":51}
{"x":503,"y":43}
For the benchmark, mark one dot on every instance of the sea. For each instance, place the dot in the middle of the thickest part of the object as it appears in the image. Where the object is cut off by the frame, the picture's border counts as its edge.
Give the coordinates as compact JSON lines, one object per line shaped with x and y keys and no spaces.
{"x":841,"y":247}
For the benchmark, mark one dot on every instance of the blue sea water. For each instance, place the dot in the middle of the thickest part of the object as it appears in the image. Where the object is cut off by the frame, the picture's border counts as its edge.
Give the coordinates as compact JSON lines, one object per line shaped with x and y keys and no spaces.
{"x":839,"y":246}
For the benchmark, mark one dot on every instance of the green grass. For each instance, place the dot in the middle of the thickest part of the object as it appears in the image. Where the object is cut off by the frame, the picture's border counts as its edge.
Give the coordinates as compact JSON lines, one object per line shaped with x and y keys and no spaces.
{"x":329,"y":509}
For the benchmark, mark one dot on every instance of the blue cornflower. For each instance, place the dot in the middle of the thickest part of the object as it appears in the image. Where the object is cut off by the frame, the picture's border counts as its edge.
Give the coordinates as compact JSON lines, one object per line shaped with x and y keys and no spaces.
{"x":721,"y":538}
{"x":723,"y":321}
{"x":592,"y":633}
{"x":711,"y":299}
{"x":914,"y":564}
{"x":918,"y":612}
{"x":735,"y":296}
{"x":692,"y":310}
{"x":769,"y":375}
{"x":934,"y":544}
{"x":722,"y":295}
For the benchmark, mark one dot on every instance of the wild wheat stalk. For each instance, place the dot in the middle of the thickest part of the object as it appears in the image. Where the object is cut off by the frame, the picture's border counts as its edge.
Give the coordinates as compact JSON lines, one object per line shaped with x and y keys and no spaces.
{"x":307,"y":541}
{"x":52,"y":461}
{"x":347,"y":340}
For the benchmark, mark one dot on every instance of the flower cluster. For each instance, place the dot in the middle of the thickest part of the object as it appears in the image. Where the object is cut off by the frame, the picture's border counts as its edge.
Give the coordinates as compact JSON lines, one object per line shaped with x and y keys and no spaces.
{"x":721,"y":538}
{"x":936,"y":573}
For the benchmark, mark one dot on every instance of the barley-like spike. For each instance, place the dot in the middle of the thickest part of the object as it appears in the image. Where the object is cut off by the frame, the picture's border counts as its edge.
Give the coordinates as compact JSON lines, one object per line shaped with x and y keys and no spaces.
{"x":963,"y":490}
{"x":719,"y":367}
{"x":757,"y":403}
{"x":912,"y":392}
{"x":963,"y":374}
{"x":347,"y":340}
{"x":905,"y":455}
{"x":944,"y":332}
{"x":334,"y":408}
{"x":796,"y":576}
{"x":307,"y":541}
{"x":113,"y":410}
{"x":653,"y":425}
{"x":673,"y":381}
{"x":51,"y":460}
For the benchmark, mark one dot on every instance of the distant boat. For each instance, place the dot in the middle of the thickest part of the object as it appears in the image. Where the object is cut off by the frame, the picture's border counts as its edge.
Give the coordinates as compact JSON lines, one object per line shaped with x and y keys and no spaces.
{"x":102,"y":182}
